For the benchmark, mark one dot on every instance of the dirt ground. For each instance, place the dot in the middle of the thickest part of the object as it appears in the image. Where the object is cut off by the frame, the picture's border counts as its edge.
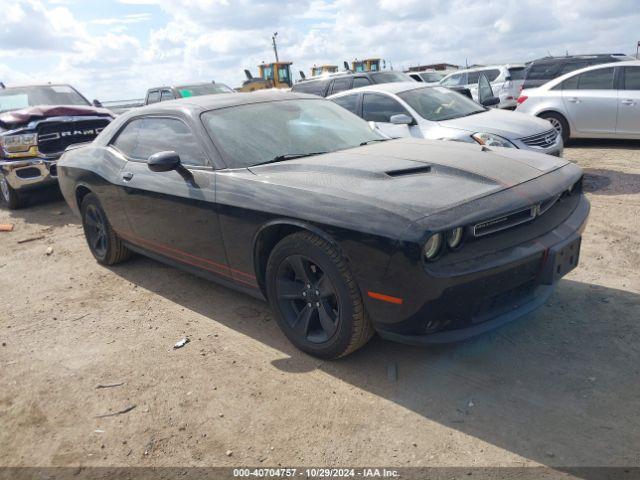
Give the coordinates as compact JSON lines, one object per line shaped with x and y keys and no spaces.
{"x":560,"y":387}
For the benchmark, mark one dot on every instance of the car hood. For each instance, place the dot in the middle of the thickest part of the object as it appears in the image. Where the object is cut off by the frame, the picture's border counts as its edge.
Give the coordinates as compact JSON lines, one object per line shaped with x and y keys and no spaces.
{"x":17,"y":118}
{"x":507,"y":124}
{"x":409,"y":176}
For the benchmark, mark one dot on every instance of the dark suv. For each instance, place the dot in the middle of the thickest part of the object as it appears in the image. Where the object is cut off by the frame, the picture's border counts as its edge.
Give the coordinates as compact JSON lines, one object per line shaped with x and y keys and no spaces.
{"x":540,"y":71}
{"x":333,"y":84}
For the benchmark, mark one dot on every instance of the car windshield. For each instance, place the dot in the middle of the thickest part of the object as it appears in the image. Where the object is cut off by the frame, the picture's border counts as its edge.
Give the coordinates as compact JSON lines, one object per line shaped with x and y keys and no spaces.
{"x":388,"y":77}
{"x":204,"y":89}
{"x":261,"y":132}
{"x":438,"y":103}
{"x":15,"y":98}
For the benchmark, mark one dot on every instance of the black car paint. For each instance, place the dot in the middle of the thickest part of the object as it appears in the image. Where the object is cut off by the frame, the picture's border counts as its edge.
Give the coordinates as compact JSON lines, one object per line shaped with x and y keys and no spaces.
{"x":216,"y":223}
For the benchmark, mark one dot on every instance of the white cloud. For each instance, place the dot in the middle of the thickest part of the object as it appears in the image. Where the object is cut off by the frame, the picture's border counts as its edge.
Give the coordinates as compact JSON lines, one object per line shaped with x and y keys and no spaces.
{"x":120,"y":54}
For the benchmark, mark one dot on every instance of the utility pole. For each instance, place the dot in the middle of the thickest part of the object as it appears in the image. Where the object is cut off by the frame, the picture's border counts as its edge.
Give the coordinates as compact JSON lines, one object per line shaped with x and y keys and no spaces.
{"x":275,"y":47}
{"x":637,"y":47}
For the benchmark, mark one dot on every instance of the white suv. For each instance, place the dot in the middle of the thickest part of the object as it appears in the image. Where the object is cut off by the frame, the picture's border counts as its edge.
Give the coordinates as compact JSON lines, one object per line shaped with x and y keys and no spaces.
{"x":506,"y":81}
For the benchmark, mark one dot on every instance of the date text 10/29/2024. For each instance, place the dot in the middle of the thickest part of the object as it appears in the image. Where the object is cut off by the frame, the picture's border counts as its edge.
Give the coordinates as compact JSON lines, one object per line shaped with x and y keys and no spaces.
{"x":316,"y":472}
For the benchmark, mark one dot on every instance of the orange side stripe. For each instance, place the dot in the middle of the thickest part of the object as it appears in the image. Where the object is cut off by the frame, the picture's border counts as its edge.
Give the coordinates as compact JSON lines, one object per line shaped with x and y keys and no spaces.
{"x":385,"y":298}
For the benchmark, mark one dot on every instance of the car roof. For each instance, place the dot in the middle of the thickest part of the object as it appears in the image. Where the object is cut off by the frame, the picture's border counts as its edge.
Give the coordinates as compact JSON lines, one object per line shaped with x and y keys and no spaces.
{"x":38,"y":85}
{"x":562,"y":78}
{"x":183,"y":85}
{"x":392,"y":87}
{"x":204,"y":103}
{"x":577,"y":57}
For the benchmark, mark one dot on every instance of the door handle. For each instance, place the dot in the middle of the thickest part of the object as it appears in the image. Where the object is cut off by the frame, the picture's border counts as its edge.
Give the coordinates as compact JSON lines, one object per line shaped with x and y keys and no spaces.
{"x":126,"y":176}
{"x":574,"y":100}
{"x":628,"y":101}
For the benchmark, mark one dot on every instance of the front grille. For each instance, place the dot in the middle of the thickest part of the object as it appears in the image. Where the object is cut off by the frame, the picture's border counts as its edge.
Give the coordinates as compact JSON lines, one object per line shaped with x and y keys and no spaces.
{"x":541,"y":140}
{"x":55,"y":137}
{"x":518,"y":217}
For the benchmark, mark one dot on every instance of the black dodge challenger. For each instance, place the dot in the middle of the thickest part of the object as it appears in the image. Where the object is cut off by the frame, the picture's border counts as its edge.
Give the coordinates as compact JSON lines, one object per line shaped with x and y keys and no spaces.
{"x":291,"y":198}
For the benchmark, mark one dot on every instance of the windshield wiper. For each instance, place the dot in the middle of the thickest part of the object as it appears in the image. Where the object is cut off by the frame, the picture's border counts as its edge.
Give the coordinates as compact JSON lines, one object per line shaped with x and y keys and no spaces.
{"x":374,"y":140}
{"x":288,"y":156}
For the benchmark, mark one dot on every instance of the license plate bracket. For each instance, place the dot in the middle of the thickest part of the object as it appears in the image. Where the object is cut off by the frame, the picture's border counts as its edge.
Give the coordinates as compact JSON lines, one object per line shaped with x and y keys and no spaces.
{"x":561,"y":260}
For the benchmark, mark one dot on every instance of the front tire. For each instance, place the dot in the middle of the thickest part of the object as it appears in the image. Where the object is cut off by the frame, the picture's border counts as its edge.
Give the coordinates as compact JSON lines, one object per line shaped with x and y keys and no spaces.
{"x":104,"y":243}
{"x":315,"y":297}
{"x":9,"y":196}
{"x":559,"y":123}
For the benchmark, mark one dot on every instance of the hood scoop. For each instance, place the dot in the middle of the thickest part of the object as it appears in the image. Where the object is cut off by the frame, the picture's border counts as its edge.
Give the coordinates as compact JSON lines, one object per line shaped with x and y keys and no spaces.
{"x":409,"y":171}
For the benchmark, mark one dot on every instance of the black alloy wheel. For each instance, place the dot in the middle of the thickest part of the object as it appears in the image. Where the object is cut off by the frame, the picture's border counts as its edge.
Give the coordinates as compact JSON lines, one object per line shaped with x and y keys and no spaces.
{"x":307,"y":299}
{"x":96,"y":230}
{"x":105,"y":245}
{"x":315,"y":298}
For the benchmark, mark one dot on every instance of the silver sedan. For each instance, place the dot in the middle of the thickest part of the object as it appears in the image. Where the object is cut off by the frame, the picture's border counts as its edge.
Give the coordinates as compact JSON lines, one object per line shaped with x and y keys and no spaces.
{"x":413,"y":110}
{"x":601,"y":101}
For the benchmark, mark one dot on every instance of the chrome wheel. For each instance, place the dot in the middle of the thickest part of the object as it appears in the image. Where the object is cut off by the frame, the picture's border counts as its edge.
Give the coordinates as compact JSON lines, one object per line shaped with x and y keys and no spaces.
{"x":555,"y":123}
{"x":4,"y":188}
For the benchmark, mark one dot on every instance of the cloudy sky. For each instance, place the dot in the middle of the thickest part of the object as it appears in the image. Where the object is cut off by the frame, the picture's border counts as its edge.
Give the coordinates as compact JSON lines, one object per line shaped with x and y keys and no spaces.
{"x":115,"y":49}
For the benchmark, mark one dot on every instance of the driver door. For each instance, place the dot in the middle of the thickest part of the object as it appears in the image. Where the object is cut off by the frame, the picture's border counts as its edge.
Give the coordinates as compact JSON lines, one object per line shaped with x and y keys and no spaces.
{"x":485,"y":92}
{"x":172,"y":213}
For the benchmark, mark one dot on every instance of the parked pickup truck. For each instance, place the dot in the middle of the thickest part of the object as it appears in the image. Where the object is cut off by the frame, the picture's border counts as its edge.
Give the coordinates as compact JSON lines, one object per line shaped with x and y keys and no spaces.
{"x":37,"y":123}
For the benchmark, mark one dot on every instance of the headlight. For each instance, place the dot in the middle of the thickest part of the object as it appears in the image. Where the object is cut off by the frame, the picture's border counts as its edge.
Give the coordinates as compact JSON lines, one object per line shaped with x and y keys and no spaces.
{"x":18,"y":143}
{"x":492,"y":140}
{"x":454,"y":238}
{"x":432,"y":247}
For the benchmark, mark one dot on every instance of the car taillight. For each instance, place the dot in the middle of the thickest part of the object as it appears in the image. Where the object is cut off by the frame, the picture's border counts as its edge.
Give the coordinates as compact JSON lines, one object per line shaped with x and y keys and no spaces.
{"x":522,"y":98}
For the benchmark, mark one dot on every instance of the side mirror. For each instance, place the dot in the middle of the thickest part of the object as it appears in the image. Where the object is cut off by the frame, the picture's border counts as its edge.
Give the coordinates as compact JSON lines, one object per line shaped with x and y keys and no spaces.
{"x":401,"y":119}
{"x":490,"y":102}
{"x":507,"y":78}
{"x":97,"y":103}
{"x":164,"y":161}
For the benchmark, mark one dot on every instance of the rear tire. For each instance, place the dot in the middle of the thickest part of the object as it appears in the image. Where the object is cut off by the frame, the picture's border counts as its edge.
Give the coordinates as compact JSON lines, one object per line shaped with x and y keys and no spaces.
{"x":316,"y":300}
{"x":559,"y":123}
{"x":104,"y":243}
{"x":9,"y":196}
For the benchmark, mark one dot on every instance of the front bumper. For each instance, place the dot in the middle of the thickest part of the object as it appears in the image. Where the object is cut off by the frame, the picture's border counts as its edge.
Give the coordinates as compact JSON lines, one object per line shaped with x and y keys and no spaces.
{"x":28,"y":173}
{"x":482,"y":298}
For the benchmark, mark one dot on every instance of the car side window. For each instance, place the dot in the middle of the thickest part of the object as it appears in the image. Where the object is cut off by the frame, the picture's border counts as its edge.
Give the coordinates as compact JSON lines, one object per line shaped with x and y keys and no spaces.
{"x":491,"y":74}
{"x":341,"y":84}
{"x":360,"y":82}
{"x":600,"y":79}
{"x":350,"y":102}
{"x":153,"y":97}
{"x":631,"y":78}
{"x":570,"y":83}
{"x":473,"y":77}
{"x":143,"y":137}
{"x":166,"y":95}
{"x":380,"y":108}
